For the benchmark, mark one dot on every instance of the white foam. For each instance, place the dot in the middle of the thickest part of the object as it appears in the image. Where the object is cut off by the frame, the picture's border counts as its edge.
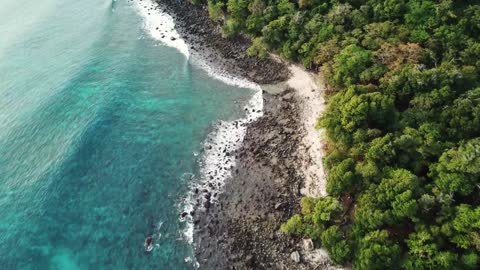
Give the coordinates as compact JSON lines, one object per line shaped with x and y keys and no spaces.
{"x":227,"y":136}
{"x":216,"y":165}
{"x":222,"y":75}
{"x":161,"y":26}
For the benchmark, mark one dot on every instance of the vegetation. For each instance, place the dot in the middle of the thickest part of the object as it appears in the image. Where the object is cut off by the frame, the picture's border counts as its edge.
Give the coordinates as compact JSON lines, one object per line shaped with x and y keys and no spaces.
{"x":403,"y":123}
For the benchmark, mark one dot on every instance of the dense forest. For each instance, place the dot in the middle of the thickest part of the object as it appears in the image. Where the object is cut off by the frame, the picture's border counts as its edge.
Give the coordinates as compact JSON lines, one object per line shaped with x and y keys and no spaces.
{"x":403,"y":123}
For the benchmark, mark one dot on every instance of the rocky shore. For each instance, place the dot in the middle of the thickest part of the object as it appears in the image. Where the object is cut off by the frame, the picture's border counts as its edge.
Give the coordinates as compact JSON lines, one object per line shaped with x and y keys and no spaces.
{"x":205,"y":40}
{"x":239,"y":227}
{"x":242,"y":230}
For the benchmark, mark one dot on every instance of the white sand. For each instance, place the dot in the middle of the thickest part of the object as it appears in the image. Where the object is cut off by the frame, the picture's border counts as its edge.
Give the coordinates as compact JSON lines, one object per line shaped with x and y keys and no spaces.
{"x":310,"y":88}
{"x":313,"y":106}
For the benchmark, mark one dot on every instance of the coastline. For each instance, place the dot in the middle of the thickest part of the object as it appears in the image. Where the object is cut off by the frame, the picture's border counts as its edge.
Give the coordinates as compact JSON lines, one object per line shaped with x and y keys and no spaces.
{"x":237,"y":223}
{"x":206,"y":45}
{"x":242,"y":230}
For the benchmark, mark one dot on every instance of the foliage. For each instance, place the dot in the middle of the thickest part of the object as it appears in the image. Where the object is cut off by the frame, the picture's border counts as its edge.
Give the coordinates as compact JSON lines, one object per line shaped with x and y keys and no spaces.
{"x":403,"y":123}
{"x":215,"y":10}
{"x":376,"y":251}
{"x":336,"y":244}
{"x":350,"y":63}
{"x":258,"y":48}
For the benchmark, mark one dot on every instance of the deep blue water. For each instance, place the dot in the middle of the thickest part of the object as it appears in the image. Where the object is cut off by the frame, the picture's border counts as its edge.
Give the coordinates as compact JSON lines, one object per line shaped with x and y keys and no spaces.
{"x":99,"y":123}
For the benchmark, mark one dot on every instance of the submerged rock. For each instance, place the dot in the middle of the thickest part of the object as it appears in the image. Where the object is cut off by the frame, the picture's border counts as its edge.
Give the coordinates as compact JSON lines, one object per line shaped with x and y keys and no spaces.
{"x":148,"y":244}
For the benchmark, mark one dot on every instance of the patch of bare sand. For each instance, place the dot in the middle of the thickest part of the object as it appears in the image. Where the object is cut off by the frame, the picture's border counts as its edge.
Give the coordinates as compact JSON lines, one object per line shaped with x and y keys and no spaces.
{"x":310,"y":89}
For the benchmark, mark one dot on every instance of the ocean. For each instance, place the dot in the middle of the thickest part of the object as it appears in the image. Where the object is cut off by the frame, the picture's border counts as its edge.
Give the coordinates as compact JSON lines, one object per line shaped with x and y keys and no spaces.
{"x":104,"y":121}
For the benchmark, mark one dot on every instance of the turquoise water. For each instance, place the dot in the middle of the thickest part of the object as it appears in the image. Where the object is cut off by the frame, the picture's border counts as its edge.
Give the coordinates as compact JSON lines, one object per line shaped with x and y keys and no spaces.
{"x":99,"y":124}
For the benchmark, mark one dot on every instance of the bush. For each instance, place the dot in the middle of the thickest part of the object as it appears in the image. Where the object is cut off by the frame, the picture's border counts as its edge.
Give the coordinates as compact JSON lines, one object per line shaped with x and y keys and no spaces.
{"x":215,"y":10}
{"x":336,"y":244}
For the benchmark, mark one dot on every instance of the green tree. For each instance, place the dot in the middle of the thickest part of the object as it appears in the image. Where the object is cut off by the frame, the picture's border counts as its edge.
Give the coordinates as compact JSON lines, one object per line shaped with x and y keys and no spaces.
{"x":285,"y":7}
{"x":294,"y":226}
{"x":335,"y":243}
{"x":215,"y":10}
{"x":326,"y":209}
{"x":466,"y":226}
{"x":258,"y":48}
{"x":238,"y":9}
{"x":458,"y":169}
{"x":350,"y":63}
{"x":376,"y":251}
{"x":424,"y":253}
{"x":341,"y":178}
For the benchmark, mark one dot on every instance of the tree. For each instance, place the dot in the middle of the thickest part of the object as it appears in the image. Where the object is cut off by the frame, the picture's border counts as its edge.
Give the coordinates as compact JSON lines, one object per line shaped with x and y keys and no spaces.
{"x":341,"y":178}
{"x":231,"y":27}
{"x":466,"y":226}
{"x":471,"y":260}
{"x":376,"y":251}
{"x":350,"y":63}
{"x":258,"y":48}
{"x":395,"y":56}
{"x":294,"y":226}
{"x":275,"y":31}
{"x":381,"y":150}
{"x":424,"y":253}
{"x":463,"y":117}
{"x":238,"y":9}
{"x":326,"y":209}
{"x":458,"y":169}
{"x":398,"y":192}
{"x":335,"y":243}
{"x":285,"y":7}
{"x":389,"y":9}
{"x":215,"y":10}
{"x":376,"y":34}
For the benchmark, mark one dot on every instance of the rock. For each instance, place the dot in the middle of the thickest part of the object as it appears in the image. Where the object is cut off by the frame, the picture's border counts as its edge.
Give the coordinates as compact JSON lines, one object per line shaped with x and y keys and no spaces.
{"x":249,"y":260}
{"x":206,"y":204}
{"x":148,"y":244}
{"x":278,"y":205}
{"x":288,"y":96}
{"x":295,"y":256}
{"x":308,"y":244}
{"x":288,"y":130}
{"x":172,"y":38}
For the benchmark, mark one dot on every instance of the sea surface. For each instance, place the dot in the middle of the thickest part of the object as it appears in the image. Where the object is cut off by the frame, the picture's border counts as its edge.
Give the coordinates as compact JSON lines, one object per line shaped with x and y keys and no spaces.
{"x":102,"y":130}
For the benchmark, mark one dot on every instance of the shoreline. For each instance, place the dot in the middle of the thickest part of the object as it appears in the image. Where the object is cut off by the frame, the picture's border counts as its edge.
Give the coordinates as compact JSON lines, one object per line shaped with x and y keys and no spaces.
{"x":242,"y":230}
{"x":236,"y":224}
{"x":206,"y":44}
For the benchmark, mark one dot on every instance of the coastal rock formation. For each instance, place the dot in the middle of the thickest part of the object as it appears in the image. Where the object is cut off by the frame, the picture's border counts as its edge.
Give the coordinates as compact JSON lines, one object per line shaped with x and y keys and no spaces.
{"x":229,"y":55}
{"x":242,"y":229}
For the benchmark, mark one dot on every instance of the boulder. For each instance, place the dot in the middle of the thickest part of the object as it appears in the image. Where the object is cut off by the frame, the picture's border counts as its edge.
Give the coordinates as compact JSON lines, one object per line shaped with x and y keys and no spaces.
{"x":308,"y":244}
{"x":295,"y":256}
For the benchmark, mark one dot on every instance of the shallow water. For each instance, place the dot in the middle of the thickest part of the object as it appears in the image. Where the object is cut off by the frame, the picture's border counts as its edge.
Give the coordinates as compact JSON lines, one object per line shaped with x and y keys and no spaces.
{"x":101,"y":127}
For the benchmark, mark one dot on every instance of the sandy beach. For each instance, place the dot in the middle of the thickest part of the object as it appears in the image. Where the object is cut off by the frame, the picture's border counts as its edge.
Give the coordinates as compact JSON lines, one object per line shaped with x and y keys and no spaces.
{"x":310,"y":89}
